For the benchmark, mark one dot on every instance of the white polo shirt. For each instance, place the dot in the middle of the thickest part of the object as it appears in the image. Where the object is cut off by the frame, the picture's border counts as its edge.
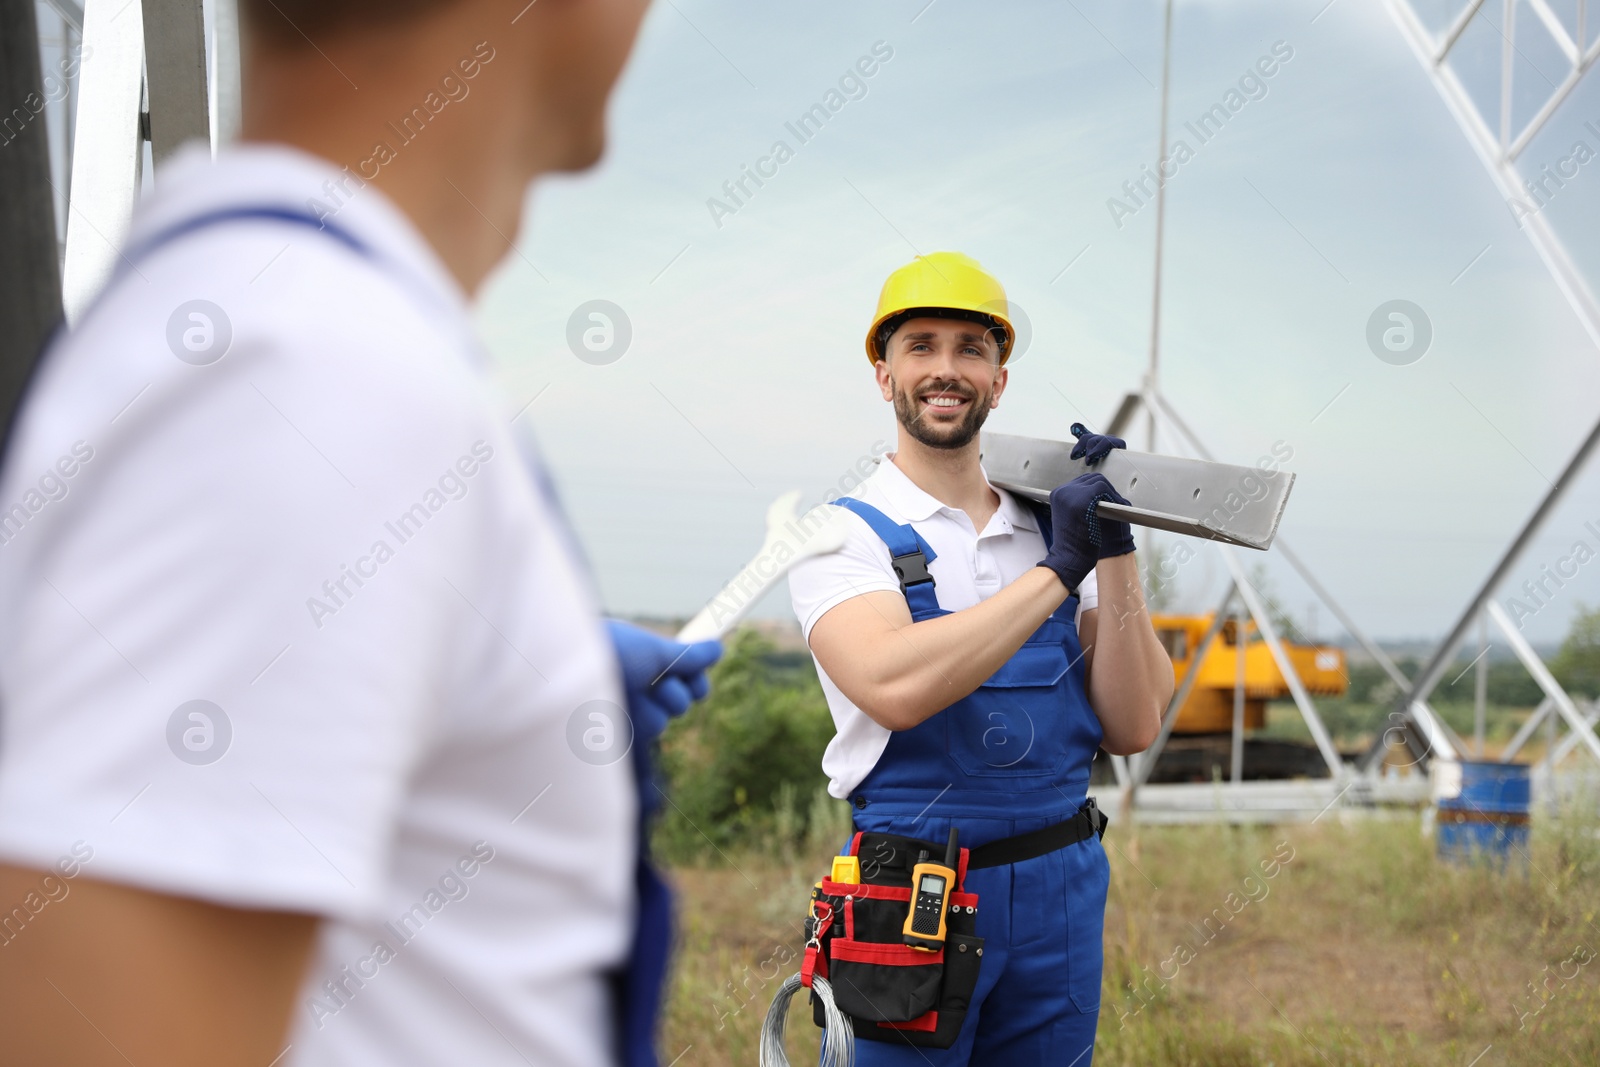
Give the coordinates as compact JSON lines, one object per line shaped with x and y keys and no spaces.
{"x":970,"y":567}
{"x":296,"y":628}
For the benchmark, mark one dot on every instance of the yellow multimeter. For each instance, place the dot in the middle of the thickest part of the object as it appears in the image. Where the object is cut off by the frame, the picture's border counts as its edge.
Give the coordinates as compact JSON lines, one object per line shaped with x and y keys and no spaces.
{"x":931,"y":886}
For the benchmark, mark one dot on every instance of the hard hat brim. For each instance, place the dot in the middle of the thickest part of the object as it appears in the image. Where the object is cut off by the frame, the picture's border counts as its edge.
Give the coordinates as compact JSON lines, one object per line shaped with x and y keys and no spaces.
{"x":877,"y":338}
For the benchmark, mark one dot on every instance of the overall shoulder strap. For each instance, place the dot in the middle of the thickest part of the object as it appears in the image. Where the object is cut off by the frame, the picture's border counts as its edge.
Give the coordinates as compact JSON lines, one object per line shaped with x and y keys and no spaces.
{"x":245,"y":213}
{"x":154,"y":243}
{"x":909,"y":554}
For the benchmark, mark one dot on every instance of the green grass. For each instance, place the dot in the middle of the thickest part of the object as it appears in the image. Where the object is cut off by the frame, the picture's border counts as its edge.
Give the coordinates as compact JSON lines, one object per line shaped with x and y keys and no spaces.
{"x":1353,"y":725}
{"x":1361,"y":948}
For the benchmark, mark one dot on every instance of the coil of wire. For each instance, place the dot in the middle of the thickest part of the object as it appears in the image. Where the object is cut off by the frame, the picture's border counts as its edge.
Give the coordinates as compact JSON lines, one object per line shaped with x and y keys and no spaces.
{"x":838,"y":1043}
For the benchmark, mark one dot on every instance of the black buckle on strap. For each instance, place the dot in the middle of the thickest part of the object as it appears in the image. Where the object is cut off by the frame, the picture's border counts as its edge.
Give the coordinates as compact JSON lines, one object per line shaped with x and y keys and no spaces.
{"x":912,"y":569}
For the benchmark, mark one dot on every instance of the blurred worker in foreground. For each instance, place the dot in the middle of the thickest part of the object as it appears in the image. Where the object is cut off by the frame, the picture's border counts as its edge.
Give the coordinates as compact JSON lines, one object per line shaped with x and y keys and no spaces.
{"x":976,"y":651}
{"x":312,"y":746}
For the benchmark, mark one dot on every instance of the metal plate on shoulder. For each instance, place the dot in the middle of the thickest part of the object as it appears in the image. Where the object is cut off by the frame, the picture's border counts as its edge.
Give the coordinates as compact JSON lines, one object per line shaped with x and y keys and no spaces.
{"x":1225,"y":502}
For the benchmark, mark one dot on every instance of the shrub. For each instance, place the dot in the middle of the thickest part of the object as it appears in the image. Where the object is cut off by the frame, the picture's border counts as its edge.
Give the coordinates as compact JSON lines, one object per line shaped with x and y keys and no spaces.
{"x":743,"y":769}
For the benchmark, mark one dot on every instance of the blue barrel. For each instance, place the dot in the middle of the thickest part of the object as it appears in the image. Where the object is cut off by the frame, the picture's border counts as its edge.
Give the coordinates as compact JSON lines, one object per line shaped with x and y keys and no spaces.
{"x":1486,"y":820}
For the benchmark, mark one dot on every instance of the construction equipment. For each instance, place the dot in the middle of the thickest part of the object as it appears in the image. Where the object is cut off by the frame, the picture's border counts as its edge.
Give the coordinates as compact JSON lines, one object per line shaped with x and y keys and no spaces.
{"x":1209,"y":708}
{"x":1236,"y":677}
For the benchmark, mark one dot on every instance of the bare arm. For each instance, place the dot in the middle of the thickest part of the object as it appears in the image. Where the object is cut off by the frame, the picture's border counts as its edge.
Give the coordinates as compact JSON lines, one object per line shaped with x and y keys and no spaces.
{"x":108,"y":975}
{"x":1130,"y":676}
{"x":901,"y":672}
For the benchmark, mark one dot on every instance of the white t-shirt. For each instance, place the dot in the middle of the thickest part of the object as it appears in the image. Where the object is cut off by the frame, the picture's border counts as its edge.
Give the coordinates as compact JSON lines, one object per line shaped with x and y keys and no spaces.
{"x":326,"y":536}
{"x":970,"y":567}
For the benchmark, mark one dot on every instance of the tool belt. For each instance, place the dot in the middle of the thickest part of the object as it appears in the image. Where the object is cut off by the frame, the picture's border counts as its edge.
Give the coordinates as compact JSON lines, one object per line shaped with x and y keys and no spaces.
{"x":889,"y":990}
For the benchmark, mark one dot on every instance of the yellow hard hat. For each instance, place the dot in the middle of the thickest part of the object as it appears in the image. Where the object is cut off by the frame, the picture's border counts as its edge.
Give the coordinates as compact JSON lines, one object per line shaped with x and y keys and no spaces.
{"x":941,"y":282}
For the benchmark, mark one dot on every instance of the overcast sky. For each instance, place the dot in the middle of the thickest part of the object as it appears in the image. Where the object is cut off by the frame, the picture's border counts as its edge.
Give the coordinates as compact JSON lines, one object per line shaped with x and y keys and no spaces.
{"x":1005,"y":131}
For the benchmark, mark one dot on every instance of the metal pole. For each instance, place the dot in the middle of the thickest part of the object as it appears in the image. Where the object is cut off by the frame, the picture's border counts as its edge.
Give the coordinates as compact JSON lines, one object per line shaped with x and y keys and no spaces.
{"x":1379,"y":655}
{"x":1434,"y":728}
{"x":1548,"y":763}
{"x":1119,"y":770}
{"x":226,"y":102}
{"x":1269,"y":634}
{"x":1527,"y":730}
{"x":1573,"y":738}
{"x":1480,"y":692}
{"x":30,"y":279}
{"x":175,"y":68}
{"x":1147,"y":761}
{"x":74,"y":47}
{"x":1541,"y":674}
{"x":1430,"y":675}
{"x":71,"y":12}
{"x":1161,"y":218}
{"x":106,"y":148}
{"x":1237,"y":756}
{"x":1282,"y":546}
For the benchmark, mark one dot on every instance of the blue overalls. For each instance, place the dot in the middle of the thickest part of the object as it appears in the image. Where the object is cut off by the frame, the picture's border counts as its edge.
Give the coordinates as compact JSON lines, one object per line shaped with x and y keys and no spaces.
{"x":1011,"y":758}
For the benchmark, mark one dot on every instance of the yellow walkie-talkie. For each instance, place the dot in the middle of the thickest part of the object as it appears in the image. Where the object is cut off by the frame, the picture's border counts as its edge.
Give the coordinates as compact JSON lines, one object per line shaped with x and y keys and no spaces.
{"x":931,"y":886}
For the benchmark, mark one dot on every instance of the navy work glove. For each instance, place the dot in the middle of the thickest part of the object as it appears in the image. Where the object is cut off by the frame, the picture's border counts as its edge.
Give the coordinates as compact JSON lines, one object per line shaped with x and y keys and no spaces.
{"x":1096,"y":446}
{"x":1113,"y":538}
{"x":662,"y":677}
{"x":1080,"y":537}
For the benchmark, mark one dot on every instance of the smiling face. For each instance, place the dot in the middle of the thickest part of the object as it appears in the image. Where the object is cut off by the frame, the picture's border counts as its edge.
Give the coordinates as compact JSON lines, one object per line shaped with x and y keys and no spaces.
{"x":943,"y":377}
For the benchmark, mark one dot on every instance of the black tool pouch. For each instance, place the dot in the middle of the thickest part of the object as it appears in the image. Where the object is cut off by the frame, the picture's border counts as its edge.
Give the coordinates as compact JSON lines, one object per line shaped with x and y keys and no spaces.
{"x":891,"y":991}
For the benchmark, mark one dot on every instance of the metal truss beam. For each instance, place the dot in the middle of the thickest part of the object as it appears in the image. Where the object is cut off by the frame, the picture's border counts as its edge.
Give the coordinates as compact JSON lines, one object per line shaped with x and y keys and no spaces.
{"x":1541,"y":674}
{"x":1498,"y":155}
{"x":1145,"y":762}
{"x":106,"y":148}
{"x":1269,"y":634}
{"x":1526,"y":731}
{"x":30,"y":283}
{"x":1432,"y":727}
{"x":175,"y":66}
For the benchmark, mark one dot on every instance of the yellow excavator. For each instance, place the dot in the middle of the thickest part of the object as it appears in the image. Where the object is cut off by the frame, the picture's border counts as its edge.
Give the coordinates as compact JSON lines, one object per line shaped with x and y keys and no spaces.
{"x":1200,"y":746}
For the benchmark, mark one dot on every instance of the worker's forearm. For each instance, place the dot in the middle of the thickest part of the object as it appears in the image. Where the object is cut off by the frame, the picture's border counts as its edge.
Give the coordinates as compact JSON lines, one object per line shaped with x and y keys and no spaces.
{"x":1130,"y":677}
{"x":921,"y":669}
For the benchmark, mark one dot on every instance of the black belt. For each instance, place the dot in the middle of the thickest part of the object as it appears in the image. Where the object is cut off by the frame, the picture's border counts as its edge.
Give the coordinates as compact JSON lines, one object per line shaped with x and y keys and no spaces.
{"x":896,"y":854}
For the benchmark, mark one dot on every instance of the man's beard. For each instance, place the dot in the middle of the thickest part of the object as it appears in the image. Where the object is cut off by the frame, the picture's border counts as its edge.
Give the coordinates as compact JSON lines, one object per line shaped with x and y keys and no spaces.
{"x":943,"y":435}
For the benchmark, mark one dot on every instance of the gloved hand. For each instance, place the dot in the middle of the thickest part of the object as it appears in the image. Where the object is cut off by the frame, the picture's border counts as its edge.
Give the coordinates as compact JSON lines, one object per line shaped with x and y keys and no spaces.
{"x":1093,"y":445}
{"x":661,"y":677}
{"x":1080,"y":537}
{"x":1114,"y":538}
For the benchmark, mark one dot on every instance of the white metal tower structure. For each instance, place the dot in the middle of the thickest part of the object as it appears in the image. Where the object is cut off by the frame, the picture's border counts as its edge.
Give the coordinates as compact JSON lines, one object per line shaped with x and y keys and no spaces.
{"x":160,"y":74}
{"x":1498,"y":142}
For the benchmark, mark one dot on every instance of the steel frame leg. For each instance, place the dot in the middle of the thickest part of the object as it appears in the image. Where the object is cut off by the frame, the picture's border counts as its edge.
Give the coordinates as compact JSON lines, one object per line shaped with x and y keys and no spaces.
{"x":175,"y":65}
{"x":1541,"y":674}
{"x":1297,"y":689}
{"x":1142,"y":764}
{"x":106,"y":149}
